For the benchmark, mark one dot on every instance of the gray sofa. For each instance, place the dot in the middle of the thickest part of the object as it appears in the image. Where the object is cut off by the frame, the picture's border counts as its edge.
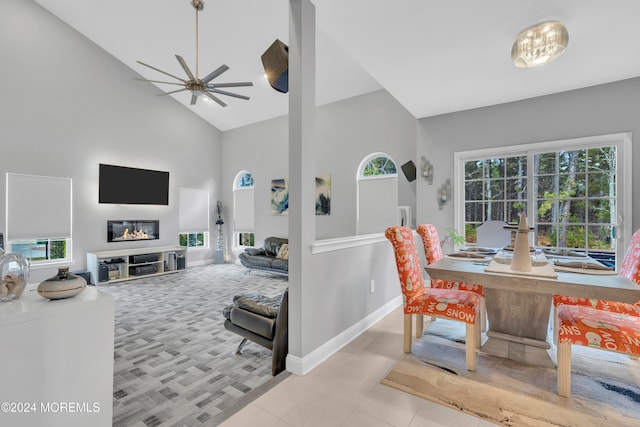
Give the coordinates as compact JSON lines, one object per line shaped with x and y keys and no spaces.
{"x":262,"y":320}
{"x":264,"y":258}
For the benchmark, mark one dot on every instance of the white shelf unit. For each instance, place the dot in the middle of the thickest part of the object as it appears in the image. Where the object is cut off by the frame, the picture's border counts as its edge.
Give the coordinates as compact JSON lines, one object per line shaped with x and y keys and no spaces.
{"x":127,"y":264}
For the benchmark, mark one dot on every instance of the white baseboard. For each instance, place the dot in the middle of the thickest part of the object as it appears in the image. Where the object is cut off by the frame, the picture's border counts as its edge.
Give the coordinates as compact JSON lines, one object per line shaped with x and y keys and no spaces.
{"x":200,"y":262}
{"x":304,"y":365}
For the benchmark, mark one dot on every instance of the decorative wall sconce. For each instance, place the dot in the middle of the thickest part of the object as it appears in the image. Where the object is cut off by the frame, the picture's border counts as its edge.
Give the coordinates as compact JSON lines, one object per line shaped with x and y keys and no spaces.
{"x":427,"y":170}
{"x":444,"y":193}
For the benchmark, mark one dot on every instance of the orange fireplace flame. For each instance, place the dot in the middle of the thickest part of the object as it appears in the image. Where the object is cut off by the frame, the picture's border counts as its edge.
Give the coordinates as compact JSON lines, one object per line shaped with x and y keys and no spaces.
{"x":133,"y":235}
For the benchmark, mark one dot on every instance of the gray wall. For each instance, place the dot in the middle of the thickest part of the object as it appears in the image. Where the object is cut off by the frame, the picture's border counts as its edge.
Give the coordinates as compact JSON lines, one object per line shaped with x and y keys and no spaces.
{"x":261,"y":149}
{"x":598,"y":110}
{"x":347,"y":131}
{"x":66,"y":106}
{"x":338,"y":297}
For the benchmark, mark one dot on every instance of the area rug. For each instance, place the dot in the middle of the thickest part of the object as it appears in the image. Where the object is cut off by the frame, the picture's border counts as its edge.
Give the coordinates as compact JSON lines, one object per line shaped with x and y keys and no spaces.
{"x":174,"y":362}
{"x":605,"y":386}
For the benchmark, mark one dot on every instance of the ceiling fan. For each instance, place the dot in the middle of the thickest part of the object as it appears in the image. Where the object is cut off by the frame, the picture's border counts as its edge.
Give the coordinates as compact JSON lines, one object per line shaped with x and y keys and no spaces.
{"x":196,"y":85}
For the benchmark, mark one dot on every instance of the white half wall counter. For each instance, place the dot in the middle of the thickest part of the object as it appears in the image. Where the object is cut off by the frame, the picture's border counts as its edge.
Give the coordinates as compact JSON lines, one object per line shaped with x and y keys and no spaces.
{"x":56,"y":360}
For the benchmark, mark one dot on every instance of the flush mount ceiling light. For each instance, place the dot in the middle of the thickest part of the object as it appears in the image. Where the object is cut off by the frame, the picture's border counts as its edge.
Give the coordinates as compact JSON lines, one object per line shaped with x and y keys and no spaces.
{"x":197,"y":86}
{"x":539,"y":44}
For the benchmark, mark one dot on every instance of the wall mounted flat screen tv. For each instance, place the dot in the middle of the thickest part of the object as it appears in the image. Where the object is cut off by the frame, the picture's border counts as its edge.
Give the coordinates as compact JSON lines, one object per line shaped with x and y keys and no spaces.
{"x":133,"y":186}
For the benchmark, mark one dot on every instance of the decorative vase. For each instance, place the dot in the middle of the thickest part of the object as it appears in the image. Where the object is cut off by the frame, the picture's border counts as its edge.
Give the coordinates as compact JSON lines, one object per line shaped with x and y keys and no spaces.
{"x":14,"y":271}
{"x":218,"y":255}
{"x":521,"y":260}
{"x":62,"y":285}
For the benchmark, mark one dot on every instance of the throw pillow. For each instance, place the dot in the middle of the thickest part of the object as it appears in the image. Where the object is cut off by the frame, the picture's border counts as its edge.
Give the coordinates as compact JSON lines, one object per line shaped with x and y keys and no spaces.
{"x":283,"y":253}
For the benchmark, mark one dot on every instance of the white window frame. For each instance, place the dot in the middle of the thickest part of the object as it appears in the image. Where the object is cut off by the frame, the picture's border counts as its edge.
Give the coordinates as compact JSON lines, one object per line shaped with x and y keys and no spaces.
{"x":39,"y":202}
{"x":237,"y":237}
{"x":367,"y":159}
{"x":205,"y":238}
{"x":46,"y":261}
{"x":361,"y":177}
{"x":194,"y":215}
{"x":237,"y":189}
{"x":622,"y":142}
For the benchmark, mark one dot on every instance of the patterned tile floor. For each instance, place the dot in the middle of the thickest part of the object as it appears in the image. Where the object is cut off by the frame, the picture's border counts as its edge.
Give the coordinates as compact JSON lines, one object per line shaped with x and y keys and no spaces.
{"x":174,"y":361}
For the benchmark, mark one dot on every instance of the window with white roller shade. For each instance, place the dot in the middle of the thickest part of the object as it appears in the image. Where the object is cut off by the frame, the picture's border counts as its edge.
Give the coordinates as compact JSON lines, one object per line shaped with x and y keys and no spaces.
{"x":39,"y":217}
{"x":38,"y":207}
{"x":193,"y":210}
{"x":193,"y":220}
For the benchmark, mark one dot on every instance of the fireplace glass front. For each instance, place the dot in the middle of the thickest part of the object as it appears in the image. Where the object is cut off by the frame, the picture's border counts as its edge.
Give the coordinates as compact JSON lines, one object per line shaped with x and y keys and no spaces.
{"x":130,"y":230}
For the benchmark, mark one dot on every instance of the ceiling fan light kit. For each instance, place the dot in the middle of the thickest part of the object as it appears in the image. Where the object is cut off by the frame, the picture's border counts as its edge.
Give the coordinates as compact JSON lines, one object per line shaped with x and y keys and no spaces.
{"x":539,"y":44}
{"x":199,"y":87}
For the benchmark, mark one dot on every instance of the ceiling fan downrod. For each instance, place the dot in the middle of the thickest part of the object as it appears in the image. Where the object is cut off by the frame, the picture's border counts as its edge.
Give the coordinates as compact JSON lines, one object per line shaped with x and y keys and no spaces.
{"x":198,"y":5}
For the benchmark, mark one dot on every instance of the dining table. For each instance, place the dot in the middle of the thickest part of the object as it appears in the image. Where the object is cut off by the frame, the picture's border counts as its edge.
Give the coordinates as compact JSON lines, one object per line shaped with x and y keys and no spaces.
{"x":519,"y":306}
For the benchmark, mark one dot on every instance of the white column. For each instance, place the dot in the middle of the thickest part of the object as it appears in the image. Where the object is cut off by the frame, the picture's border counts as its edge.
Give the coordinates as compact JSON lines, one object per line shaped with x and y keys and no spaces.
{"x":302,"y":221}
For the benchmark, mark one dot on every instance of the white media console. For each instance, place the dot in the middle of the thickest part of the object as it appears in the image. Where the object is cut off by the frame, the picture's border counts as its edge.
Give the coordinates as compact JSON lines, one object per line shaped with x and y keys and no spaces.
{"x":127,"y":264}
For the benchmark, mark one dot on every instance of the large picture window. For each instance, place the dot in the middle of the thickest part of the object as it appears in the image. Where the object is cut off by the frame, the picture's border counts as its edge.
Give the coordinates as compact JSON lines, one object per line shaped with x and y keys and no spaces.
{"x":576,"y":198}
{"x":38,"y":221}
{"x":495,"y":190}
{"x":572,"y":191}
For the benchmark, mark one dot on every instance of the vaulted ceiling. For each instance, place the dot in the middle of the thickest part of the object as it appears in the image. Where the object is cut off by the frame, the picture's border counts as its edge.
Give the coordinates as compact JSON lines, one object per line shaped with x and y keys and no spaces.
{"x":434,"y":57}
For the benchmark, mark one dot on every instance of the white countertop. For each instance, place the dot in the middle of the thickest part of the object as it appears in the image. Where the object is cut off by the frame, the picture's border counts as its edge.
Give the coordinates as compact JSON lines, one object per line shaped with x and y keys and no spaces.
{"x":31,"y":306}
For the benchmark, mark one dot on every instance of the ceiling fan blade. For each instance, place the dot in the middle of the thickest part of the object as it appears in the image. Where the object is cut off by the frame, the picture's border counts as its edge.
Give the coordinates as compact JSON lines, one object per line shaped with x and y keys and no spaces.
{"x":194,"y":98}
{"x":160,"y":71}
{"x":239,"y":84}
{"x":173,"y":91}
{"x":216,"y":99}
{"x":215,"y":73}
{"x":158,"y":81}
{"x":185,"y":67}
{"x":235,"y":95}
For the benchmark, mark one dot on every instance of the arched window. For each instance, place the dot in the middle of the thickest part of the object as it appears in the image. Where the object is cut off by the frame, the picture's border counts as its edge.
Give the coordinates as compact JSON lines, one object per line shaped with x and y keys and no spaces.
{"x":377,"y":182}
{"x":378,"y":164}
{"x":245,"y":180}
{"x":243,"y":209}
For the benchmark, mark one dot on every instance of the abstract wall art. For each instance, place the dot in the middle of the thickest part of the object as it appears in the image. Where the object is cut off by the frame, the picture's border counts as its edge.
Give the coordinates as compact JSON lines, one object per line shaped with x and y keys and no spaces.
{"x":323,"y":195}
{"x":279,"y":197}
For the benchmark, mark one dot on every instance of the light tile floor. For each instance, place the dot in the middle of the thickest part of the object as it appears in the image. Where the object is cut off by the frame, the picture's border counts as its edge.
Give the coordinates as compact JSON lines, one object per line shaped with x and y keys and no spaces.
{"x":345,"y":390}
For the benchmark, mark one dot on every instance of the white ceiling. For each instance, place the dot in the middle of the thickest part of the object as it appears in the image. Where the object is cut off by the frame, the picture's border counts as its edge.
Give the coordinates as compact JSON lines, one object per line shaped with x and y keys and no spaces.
{"x":434,"y":57}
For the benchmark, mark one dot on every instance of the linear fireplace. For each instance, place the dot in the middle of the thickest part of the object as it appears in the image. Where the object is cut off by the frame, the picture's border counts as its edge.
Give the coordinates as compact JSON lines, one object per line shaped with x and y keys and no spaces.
{"x":130,"y":230}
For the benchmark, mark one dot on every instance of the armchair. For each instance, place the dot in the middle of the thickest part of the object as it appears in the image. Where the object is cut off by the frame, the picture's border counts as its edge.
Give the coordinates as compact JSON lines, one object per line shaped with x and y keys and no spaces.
{"x":264,"y":321}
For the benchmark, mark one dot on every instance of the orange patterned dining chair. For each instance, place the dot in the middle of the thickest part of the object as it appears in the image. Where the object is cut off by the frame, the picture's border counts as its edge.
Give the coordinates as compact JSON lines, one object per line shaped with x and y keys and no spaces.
{"x":591,"y":327}
{"x":608,"y":325}
{"x":630,"y":268}
{"x":420,"y":300}
{"x":433,"y":252}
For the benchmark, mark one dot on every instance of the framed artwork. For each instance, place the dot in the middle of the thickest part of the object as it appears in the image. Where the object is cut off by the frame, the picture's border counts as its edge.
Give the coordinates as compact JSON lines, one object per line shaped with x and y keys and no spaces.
{"x":279,"y":197}
{"x":323,"y":195}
